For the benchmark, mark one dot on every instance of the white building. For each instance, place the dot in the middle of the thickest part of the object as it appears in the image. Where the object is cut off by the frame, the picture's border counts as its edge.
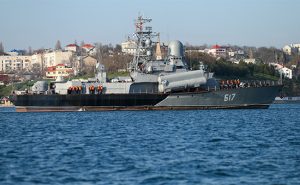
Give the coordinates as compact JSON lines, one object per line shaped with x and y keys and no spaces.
{"x":57,"y":57}
{"x":36,"y":59}
{"x":15,"y":63}
{"x":52,"y":58}
{"x":250,"y":61}
{"x":286,"y":72}
{"x":129,"y":47}
{"x":291,"y":49}
{"x":231,"y":53}
{"x":234,"y":60}
{"x":296,"y":46}
{"x":217,"y":51}
{"x":288,"y":50}
{"x":234,"y":53}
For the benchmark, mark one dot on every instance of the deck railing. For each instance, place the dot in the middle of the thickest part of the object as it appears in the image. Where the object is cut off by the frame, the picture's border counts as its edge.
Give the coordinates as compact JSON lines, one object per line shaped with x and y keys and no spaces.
{"x":247,"y":83}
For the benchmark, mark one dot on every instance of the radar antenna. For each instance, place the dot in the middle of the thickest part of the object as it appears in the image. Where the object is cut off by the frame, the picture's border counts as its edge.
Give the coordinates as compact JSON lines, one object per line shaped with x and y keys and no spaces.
{"x":144,"y":44}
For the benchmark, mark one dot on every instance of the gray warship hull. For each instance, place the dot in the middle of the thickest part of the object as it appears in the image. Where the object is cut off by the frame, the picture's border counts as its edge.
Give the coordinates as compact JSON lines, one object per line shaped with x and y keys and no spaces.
{"x":236,"y":98}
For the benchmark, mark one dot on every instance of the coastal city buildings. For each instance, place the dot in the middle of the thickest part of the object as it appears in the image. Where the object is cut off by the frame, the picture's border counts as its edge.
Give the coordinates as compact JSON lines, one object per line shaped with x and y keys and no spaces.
{"x":83,"y":57}
{"x":16,"y":60}
{"x":10,"y":63}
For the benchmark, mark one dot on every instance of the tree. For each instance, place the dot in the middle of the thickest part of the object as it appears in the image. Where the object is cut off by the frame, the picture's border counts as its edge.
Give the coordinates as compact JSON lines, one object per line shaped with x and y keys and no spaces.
{"x":269,"y":55}
{"x":1,"y":47}
{"x":58,"y":45}
{"x":118,"y":48}
{"x":81,"y":50}
{"x":99,"y":52}
{"x":36,"y":69}
{"x":72,"y":61}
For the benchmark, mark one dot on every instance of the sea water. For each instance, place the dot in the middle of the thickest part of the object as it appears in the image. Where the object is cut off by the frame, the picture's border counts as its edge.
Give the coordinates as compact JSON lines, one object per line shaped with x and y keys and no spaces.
{"x":259,"y":146}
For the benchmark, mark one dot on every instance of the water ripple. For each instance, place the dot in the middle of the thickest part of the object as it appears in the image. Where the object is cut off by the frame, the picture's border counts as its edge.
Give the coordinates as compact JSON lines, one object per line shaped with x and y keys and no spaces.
{"x":151,"y":147}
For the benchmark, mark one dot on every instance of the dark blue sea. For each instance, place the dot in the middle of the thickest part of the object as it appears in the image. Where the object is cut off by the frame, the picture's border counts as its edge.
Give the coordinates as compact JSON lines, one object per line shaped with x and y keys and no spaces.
{"x":151,"y":147}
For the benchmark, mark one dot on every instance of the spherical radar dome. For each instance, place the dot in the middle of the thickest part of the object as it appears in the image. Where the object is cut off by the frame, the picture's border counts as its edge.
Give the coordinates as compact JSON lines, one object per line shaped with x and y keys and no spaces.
{"x":175,"y":48}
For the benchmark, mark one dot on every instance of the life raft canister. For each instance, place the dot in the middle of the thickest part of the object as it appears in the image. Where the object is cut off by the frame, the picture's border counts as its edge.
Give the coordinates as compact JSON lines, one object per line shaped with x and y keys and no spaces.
{"x":92,"y":88}
{"x":100,"y":88}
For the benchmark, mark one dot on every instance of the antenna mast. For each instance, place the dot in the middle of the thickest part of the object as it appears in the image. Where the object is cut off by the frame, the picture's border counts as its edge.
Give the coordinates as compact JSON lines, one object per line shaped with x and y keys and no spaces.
{"x":144,"y":35}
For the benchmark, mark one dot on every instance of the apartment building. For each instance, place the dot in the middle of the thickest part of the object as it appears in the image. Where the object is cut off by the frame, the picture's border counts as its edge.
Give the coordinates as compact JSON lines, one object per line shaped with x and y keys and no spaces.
{"x":14,"y":63}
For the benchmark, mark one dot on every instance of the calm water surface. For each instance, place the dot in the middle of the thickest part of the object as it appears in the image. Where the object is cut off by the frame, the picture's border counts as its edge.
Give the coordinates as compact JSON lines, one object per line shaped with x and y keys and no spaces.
{"x":151,"y":147}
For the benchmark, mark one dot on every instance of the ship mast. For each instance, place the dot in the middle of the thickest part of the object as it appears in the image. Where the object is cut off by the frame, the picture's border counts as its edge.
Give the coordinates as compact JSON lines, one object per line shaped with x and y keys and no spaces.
{"x":144,"y":44}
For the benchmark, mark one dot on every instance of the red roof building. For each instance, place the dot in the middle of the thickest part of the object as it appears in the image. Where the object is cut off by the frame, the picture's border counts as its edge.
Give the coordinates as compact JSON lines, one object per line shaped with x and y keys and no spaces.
{"x":88,"y":46}
{"x":72,"y":47}
{"x":217,"y":51}
{"x":216,"y":46}
{"x":59,"y":70}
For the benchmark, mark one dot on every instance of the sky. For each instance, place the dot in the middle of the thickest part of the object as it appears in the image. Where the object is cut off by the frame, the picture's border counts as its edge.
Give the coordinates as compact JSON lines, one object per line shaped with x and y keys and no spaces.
{"x":40,"y":23}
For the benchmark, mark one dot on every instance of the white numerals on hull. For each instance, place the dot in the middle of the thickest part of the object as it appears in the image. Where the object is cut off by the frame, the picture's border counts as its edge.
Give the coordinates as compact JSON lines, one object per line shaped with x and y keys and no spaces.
{"x":229,"y":97}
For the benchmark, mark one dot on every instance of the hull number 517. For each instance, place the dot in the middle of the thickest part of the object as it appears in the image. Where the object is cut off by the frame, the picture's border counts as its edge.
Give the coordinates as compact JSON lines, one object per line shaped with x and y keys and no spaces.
{"x":229,"y":97}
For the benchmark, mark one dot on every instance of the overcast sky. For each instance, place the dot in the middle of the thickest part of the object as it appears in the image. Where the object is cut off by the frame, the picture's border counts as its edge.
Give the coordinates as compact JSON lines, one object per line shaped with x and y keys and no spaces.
{"x":40,"y":23}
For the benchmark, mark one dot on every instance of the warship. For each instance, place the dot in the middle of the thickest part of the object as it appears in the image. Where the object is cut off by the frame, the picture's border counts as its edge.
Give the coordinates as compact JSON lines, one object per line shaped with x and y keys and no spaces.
{"x":154,"y":83}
